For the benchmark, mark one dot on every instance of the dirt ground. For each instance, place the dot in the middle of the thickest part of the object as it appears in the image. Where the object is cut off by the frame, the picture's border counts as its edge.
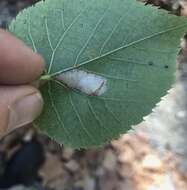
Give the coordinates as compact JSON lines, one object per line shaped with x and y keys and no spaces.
{"x":128,"y":163}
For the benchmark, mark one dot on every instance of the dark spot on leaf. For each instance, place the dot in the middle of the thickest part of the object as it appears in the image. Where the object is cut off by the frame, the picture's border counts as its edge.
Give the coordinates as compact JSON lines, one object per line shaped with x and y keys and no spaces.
{"x":150,"y":63}
{"x":166,"y":66}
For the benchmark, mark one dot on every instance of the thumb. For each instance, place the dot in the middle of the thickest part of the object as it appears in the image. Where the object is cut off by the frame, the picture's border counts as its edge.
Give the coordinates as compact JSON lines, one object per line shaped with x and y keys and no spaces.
{"x":19,"y":105}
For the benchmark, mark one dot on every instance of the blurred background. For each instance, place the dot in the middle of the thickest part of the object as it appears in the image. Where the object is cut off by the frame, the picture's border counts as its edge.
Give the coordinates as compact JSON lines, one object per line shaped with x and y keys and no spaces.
{"x":152,"y":156}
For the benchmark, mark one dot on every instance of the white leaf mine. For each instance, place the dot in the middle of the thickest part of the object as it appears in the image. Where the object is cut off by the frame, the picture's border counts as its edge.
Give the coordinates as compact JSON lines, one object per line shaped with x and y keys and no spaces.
{"x":86,"y":82}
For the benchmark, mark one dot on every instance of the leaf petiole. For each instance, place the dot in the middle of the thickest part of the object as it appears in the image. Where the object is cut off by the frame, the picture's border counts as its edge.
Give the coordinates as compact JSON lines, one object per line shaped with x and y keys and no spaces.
{"x":45,"y":77}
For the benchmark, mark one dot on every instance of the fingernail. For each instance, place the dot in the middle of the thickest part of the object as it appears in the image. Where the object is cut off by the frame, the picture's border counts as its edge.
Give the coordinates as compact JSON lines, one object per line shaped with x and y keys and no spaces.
{"x":24,"y":111}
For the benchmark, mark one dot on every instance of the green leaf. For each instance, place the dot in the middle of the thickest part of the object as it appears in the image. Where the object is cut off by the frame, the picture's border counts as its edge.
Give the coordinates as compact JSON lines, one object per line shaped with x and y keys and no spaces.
{"x":133,"y":47}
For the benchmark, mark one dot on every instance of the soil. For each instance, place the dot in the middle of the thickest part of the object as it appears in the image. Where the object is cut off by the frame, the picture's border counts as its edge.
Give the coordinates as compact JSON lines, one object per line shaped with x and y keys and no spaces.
{"x":129,"y":163}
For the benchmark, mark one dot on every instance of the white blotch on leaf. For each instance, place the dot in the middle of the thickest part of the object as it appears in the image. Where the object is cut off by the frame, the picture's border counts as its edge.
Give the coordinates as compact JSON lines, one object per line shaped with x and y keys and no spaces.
{"x":85,"y":82}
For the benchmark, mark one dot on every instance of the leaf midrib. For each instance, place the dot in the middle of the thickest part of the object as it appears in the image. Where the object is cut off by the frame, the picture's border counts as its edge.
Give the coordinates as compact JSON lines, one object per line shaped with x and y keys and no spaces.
{"x":116,"y":50}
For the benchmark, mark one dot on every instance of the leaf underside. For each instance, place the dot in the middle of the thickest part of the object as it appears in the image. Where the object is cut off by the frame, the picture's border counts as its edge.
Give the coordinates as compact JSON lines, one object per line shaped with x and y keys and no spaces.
{"x":133,"y":46}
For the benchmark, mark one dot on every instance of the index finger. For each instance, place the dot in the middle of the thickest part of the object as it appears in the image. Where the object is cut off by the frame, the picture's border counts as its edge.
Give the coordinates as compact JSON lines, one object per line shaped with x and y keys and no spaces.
{"x":18,"y":63}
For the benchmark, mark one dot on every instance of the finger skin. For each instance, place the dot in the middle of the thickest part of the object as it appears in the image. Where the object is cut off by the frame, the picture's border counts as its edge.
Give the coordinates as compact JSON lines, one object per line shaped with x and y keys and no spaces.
{"x":18,"y":63}
{"x":19,"y":105}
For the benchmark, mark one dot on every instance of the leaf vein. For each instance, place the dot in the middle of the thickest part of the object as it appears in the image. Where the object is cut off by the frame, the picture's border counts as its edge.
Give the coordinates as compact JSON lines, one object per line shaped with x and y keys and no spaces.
{"x":90,"y":37}
{"x":80,"y":120}
{"x":62,"y":20}
{"x":109,"y":37}
{"x":111,"y":112}
{"x":120,"y":48}
{"x":48,"y":35}
{"x":30,"y":34}
{"x":61,"y":40}
{"x":95,"y":116}
{"x":56,"y":111}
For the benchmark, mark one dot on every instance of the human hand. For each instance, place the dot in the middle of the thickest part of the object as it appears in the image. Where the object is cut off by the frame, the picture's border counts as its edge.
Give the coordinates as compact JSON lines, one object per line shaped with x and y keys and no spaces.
{"x":20,"y":103}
